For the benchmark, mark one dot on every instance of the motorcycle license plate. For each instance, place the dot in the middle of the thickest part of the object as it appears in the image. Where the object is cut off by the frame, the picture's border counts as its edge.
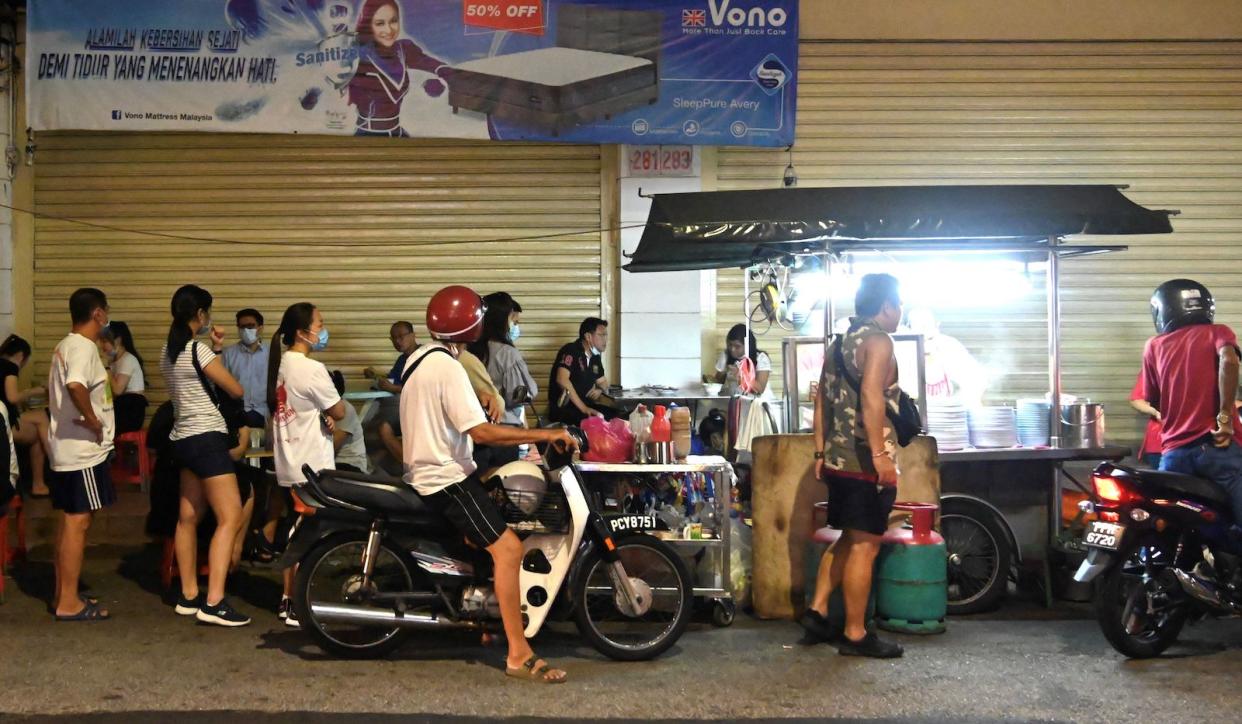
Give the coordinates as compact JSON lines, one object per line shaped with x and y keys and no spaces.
{"x":1104,"y":535}
{"x":632,"y":522}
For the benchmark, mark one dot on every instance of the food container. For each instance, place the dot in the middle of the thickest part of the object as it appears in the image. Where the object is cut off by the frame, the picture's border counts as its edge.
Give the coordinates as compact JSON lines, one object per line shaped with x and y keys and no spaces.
{"x":659,"y":453}
{"x":1082,"y":425}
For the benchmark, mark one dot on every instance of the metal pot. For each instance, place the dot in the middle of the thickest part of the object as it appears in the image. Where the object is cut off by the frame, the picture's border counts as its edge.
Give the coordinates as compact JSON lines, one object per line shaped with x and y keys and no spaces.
{"x":1082,"y":425}
{"x":660,"y":453}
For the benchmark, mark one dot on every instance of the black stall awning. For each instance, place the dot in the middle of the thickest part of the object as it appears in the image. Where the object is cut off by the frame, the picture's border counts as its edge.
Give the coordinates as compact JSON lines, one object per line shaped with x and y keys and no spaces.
{"x":720,"y":229}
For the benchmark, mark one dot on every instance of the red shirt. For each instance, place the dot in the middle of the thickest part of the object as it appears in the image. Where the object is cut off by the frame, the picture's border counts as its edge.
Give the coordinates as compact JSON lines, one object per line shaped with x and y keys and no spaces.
{"x":1151,"y":437}
{"x":1180,"y":380}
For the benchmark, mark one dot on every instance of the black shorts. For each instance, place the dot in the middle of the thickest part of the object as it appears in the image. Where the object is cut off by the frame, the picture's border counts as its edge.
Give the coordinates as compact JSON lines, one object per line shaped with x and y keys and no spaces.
{"x":206,"y":454}
{"x":471,"y":510}
{"x":83,"y":491}
{"x":861,"y":505}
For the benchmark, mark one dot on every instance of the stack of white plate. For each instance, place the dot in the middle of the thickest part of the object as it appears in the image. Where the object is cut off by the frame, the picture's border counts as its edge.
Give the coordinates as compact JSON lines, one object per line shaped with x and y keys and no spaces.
{"x":1034,"y":418}
{"x":992,"y":427}
{"x":946,"y":421}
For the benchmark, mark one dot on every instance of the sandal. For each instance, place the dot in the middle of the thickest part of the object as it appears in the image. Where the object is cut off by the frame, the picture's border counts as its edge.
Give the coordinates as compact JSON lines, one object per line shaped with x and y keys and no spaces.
{"x":89,"y":612}
{"x":529,"y":672}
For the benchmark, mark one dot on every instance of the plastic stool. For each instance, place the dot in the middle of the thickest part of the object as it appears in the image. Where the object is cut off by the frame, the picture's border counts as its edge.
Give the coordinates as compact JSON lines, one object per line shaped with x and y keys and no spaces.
{"x":168,"y":563}
{"x":121,"y":473}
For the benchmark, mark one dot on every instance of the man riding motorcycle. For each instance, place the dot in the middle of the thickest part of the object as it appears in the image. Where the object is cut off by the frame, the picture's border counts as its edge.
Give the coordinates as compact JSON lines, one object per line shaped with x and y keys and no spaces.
{"x":443,"y":420}
{"x":1190,"y":374}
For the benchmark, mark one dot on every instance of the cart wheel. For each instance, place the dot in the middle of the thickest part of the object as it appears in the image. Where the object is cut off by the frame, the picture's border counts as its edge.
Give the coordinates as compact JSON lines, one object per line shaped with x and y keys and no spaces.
{"x":978,"y":553}
{"x":723,"y":611}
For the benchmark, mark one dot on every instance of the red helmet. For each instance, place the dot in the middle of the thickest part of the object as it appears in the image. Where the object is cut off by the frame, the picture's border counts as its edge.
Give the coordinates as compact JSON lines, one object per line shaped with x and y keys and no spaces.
{"x":455,"y":314}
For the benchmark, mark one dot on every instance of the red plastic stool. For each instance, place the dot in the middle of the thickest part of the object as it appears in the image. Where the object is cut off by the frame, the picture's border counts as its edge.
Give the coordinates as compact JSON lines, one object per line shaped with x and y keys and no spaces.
{"x":168,"y":563}
{"x":122,"y":473}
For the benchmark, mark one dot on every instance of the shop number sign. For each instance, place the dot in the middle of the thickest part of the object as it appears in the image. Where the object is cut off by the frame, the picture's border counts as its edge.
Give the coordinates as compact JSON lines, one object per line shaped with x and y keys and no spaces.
{"x":655,"y":161}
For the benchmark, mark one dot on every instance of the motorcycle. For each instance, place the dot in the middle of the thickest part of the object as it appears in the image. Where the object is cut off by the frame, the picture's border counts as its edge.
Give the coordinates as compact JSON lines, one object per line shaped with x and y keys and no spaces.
{"x":376,"y":565}
{"x":1160,"y":555}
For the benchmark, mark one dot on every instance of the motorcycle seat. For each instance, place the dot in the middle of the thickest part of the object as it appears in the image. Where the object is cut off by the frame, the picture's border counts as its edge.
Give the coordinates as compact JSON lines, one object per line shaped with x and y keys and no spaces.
{"x":374,"y":493}
{"x":1196,"y":487}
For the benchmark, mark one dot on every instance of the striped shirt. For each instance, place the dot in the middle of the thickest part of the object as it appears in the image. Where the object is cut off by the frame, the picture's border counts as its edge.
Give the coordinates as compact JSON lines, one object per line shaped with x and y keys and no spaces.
{"x":193,"y":411}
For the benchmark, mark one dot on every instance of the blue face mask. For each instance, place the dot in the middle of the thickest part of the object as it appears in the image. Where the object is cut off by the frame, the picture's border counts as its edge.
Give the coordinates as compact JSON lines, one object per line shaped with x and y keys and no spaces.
{"x":322,"y":343}
{"x":205,"y":330}
{"x":514,"y":332}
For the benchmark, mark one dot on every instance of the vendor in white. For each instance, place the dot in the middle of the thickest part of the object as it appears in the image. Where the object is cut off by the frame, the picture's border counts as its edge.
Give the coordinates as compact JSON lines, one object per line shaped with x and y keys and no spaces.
{"x":949,"y":368}
{"x":736,"y":348}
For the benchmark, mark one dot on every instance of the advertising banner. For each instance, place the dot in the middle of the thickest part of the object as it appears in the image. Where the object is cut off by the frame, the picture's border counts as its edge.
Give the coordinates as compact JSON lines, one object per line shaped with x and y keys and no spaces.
{"x":707,"y":72}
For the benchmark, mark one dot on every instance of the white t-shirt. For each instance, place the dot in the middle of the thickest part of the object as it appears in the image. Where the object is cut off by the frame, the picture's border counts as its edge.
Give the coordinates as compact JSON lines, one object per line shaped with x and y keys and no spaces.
{"x":300,"y":437}
{"x":438,"y":407}
{"x":730,"y":388}
{"x":72,"y":446}
{"x":14,"y":470}
{"x":354,"y":451}
{"x":193,"y":411}
{"x":127,"y":364}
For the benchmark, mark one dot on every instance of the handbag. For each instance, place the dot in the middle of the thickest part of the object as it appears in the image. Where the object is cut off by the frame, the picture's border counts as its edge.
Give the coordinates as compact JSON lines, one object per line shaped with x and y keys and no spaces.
{"x":907,"y":420}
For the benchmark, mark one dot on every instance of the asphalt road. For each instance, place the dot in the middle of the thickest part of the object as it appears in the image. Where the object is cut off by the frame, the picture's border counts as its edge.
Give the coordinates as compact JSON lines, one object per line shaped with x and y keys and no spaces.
{"x":149,"y":665}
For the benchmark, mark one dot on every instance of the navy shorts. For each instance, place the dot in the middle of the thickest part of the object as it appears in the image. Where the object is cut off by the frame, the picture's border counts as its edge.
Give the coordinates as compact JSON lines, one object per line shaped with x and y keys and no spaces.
{"x":83,"y":491}
{"x":862,"y":505}
{"x":206,"y":454}
{"x":471,"y":510}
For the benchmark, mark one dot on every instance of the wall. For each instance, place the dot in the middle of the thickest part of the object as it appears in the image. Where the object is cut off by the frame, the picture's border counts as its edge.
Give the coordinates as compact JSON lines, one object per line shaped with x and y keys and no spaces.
{"x":1019,"y":19}
{"x":7,"y":53}
{"x":661,"y":313}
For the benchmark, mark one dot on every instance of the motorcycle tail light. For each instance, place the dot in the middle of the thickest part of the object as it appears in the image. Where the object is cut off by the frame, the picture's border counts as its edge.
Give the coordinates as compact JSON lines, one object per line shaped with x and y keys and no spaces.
{"x":1209,"y":516}
{"x":1110,"y":490}
{"x":1110,"y":516}
{"x":1138,"y":515}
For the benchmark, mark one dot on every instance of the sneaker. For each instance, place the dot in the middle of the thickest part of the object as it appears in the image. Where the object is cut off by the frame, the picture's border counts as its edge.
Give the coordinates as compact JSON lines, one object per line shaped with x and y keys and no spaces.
{"x":291,"y":620}
{"x":221,"y":614}
{"x":189,"y":606}
{"x":871,"y":646}
{"x":818,"y":628}
{"x":285,"y":608}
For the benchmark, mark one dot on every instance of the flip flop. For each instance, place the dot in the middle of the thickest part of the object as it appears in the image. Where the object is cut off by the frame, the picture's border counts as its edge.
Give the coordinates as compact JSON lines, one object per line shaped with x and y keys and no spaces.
{"x":529,"y":672}
{"x":89,"y":612}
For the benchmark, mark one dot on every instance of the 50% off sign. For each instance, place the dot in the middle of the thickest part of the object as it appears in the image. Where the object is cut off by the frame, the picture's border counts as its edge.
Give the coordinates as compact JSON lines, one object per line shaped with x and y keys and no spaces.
{"x":523,"y":16}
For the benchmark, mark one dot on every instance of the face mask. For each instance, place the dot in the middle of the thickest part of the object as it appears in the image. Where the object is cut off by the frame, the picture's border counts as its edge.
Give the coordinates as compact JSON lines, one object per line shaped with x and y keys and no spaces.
{"x":249,"y":336}
{"x":322,"y":343}
{"x":205,"y":330}
{"x":596,"y":351}
{"x":514,"y":332}
{"x":112,"y":353}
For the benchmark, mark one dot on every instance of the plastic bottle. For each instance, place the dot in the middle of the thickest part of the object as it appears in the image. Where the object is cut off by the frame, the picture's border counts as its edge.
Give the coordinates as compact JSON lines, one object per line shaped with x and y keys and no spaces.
{"x":679,"y":422}
{"x":661,"y":431}
{"x":640,"y":424}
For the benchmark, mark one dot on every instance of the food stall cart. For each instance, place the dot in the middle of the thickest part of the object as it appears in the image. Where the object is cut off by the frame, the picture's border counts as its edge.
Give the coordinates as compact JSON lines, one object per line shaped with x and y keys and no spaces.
{"x":743,"y":229}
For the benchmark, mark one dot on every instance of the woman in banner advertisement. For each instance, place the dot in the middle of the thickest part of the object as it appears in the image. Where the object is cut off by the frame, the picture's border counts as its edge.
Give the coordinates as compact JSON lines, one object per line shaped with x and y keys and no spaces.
{"x":384,"y":60}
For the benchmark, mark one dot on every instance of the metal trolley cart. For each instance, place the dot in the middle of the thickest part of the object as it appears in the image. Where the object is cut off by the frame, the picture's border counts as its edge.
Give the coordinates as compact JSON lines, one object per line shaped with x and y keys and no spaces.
{"x":707,"y":557}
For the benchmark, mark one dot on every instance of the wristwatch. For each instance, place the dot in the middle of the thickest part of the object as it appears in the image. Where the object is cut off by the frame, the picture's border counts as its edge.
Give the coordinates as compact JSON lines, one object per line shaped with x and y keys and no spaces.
{"x":1224,"y":418}
{"x":819,"y":454}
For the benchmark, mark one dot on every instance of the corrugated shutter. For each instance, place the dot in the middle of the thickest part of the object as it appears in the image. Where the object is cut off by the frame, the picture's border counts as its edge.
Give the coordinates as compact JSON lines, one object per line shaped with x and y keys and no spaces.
{"x":1164,"y":118}
{"x":367,"y":229}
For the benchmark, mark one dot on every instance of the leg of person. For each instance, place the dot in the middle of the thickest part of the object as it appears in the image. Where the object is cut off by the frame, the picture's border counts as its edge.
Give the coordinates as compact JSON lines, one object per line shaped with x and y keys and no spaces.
{"x":856,"y":582}
{"x":225,"y":501}
{"x":860,"y":509}
{"x":77,"y":494}
{"x":828,"y":579}
{"x":26,"y":435}
{"x":185,"y":542}
{"x":392,"y":443}
{"x":239,"y":539}
{"x":469,"y":508}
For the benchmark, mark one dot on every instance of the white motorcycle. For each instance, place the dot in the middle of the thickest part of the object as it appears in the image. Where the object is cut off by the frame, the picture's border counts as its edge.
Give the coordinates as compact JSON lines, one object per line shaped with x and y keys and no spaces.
{"x":377,"y":565}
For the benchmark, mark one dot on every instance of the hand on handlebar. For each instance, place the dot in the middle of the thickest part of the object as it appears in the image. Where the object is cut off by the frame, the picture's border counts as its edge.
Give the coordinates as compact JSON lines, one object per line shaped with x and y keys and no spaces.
{"x":1222,"y":435}
{"x":561,"y":441}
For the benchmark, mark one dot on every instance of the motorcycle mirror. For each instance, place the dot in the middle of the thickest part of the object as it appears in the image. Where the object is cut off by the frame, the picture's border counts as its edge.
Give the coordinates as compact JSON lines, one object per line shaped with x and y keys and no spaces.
{"x":521,"y":394}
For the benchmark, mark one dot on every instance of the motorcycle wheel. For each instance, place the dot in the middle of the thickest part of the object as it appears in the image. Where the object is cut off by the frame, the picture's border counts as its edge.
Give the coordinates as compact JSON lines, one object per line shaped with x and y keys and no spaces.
{"x":331,"y":574}
{"x":617,"y":634}
{"x":1135,"y":610}
{"x":978,"y":556}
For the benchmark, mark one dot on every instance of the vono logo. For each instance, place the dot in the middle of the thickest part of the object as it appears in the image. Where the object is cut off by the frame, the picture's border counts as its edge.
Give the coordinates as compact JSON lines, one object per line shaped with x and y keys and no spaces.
{"x":722,"y":12}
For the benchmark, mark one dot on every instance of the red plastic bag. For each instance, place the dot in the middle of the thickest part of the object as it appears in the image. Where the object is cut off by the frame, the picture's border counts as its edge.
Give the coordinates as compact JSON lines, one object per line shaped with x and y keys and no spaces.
{"x":610,"y":442}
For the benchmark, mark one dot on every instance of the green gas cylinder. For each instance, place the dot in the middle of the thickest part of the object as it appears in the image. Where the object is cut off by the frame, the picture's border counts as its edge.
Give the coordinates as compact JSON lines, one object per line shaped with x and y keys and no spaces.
{"x":911,"y":582}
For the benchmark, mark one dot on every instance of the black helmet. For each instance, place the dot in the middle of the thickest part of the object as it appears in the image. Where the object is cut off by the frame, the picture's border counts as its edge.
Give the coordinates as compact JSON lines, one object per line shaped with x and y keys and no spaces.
{"x":1180,"y":303}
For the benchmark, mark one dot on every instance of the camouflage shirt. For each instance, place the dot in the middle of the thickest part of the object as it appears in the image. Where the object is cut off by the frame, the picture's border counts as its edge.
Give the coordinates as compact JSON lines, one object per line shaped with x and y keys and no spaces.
{"x":845,"y":438}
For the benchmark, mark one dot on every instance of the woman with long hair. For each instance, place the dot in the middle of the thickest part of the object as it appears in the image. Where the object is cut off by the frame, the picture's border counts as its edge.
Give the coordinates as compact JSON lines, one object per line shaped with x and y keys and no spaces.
{"x":305,"y":407}
{"x":29,"y":429}
{"x":127,"y":374}
{"x":384,"y":60}
{"x":741,"y":343}
{"x":193,"y":372}
{"x":505,"y":364}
